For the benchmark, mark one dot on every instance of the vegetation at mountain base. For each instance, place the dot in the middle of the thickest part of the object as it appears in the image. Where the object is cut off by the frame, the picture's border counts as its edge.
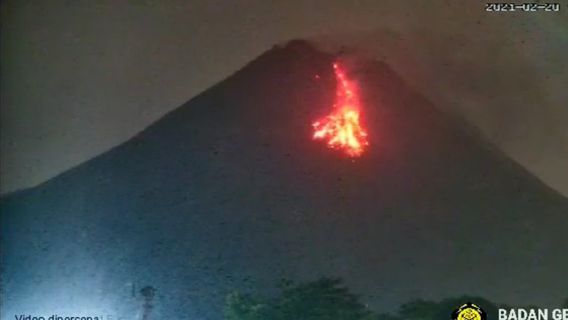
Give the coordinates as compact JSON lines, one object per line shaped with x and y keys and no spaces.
{"x":328,"y":298}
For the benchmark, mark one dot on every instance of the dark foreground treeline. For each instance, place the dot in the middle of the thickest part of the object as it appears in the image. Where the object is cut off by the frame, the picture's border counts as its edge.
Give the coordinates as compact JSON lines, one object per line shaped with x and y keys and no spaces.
{"x":328,"y":298}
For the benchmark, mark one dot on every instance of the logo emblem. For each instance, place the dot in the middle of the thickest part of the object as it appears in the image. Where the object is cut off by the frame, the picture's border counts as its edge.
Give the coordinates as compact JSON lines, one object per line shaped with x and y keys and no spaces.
{"x":469,"y":311}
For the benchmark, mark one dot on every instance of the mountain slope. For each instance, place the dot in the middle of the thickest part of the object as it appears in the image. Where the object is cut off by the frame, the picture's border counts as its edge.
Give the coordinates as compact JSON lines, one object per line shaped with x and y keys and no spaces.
{"x":229,"y":191}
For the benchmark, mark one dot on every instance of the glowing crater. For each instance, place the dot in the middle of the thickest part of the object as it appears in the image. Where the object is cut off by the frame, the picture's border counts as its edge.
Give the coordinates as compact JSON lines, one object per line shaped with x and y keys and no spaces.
{"x":342,"y":129}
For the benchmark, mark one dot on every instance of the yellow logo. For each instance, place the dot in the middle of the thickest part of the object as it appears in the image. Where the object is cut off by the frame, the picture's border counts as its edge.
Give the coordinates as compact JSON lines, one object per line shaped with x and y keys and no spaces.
{"x":469,"y":311}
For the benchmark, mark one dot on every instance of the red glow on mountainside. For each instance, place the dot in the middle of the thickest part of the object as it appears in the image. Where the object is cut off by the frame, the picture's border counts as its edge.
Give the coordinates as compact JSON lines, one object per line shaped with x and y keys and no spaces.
{"x":342,"y":128}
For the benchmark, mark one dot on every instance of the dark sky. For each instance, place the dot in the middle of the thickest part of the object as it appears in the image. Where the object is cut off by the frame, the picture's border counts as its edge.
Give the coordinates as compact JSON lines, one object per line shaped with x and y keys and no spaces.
{"x":79,"y":77}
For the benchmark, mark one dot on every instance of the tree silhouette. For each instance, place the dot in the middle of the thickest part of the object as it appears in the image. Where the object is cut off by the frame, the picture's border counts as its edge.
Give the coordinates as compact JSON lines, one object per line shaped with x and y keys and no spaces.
{"x":322,"y":299}
{"x":419,"y":310}
{"x":328,"y":298}
{"x":325,"y":298}
{"x":245,"y":307}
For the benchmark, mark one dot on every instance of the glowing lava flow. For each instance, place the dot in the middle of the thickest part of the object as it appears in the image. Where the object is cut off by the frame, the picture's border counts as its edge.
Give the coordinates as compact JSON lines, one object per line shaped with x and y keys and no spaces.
{"x":342,"y":128}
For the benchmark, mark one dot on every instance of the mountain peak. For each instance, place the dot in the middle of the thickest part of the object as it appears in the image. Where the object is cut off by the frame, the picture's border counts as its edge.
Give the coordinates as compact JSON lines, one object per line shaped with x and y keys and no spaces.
{"x":231,"y":186}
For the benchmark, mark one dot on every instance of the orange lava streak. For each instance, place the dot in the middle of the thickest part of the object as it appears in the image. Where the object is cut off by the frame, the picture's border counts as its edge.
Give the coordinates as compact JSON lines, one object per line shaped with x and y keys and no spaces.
{"x":342,"y":128}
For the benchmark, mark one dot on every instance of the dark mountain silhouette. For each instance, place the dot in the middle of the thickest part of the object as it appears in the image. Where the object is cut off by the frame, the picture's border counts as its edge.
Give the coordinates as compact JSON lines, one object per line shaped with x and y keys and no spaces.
{"x":229,"y":191}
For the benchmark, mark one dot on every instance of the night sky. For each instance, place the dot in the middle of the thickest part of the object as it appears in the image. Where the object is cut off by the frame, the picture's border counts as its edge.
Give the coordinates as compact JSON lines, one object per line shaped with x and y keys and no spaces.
{"x":79,"y":77}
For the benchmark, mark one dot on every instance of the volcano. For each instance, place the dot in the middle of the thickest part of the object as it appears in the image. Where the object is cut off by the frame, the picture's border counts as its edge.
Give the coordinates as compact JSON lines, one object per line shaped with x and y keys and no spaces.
{"x":230,"y":191}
